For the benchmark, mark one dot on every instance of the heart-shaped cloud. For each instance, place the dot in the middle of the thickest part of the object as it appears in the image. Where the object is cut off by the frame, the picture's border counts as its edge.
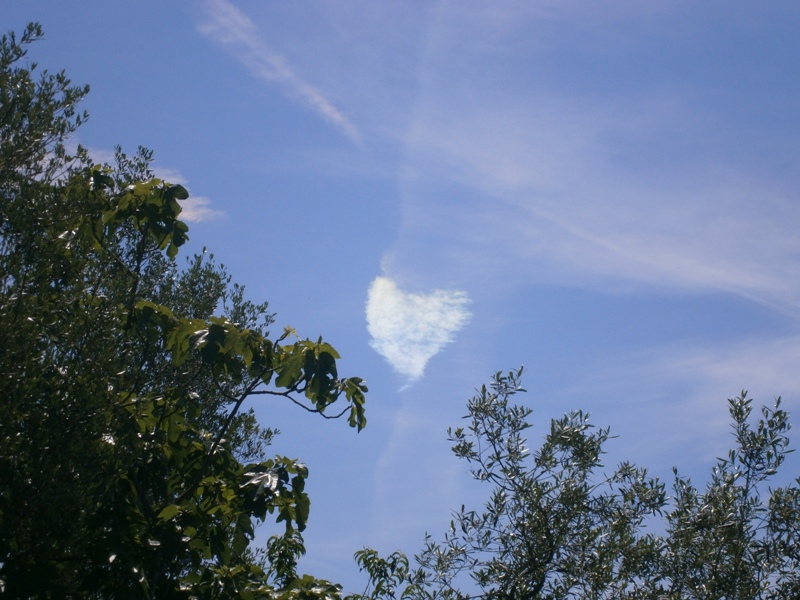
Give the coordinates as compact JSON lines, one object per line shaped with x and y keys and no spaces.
{"x":408,"y":329}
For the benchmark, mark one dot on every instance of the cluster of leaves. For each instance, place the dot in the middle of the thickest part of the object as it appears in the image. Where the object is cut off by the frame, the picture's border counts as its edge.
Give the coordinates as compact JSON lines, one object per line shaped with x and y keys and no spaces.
{"x":555,"y":526}
{"x":127,"y":465}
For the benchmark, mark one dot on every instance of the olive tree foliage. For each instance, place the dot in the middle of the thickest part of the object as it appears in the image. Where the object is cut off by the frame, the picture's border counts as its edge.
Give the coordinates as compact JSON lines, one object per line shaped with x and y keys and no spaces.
{"x":128,"y":467}
{"x":740,"y":536}
{"x":558,"y":525}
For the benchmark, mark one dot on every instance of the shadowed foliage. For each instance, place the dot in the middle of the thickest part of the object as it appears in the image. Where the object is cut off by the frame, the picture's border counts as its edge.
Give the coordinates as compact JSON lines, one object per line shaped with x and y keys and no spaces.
{"x":127,"y":465}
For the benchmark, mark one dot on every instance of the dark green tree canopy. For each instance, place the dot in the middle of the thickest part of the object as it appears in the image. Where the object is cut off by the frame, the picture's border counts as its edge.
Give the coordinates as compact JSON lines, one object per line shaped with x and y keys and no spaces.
{"x":127,"y":467}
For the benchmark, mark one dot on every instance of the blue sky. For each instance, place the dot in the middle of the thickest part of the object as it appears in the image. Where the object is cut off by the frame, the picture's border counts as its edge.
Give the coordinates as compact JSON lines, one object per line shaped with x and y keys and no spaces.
{"x":605,"y":192}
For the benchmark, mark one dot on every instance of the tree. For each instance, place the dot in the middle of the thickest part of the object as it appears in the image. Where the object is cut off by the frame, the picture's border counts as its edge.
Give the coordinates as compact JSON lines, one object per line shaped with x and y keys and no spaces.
{"x":740,"y":537}
{"x":554,"y":526}
{"x":127,"y":467}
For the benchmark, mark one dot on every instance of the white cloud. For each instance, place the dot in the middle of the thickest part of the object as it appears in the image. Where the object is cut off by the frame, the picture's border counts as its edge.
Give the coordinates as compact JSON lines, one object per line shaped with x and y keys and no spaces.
{"x":172,"y":176}
{"x":409,"y":329}
{"x":231,"y":28}
{"x":196,"y":209}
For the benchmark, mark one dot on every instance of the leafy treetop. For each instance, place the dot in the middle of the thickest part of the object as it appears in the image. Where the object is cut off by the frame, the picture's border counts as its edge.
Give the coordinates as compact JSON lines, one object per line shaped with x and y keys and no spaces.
{"x":127,"y":465}
{"x":556,"y":526}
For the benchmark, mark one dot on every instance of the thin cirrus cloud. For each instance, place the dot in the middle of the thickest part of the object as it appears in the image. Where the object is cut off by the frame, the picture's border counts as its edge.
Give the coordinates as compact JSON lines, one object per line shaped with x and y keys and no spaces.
{"x":657,"y":182}
{"x":408,"y":329}
{"x":584,"y":210}
{"x":724,"y":233}
{"x":232,"y":29}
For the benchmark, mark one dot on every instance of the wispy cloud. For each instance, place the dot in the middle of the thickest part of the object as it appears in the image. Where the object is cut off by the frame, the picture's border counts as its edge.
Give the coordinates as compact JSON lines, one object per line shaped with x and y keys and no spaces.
{"x":659,"y":184}
{"x":194,"y":210}
{"x":582,"y":217}
{"x":669,"y":402}
{"x":409,"y":329}
{"x":197,"y":209}
{"x":231,"y":28}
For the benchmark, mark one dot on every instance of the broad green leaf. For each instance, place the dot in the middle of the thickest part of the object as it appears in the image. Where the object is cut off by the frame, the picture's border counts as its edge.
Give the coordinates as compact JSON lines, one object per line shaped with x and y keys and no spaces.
{"x":168,"y":512}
